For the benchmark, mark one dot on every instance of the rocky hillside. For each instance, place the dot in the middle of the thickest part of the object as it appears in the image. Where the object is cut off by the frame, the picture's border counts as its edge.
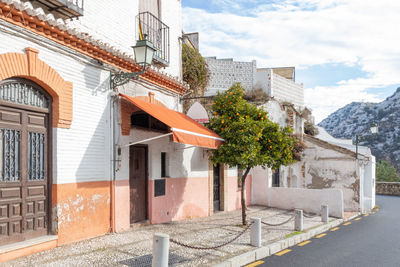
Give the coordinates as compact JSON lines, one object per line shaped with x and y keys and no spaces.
{"x":356,"y":118}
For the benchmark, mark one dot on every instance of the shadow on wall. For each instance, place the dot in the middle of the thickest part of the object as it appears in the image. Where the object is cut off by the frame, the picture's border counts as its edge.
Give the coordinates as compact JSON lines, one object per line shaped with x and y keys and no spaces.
{"x":93,"y":78}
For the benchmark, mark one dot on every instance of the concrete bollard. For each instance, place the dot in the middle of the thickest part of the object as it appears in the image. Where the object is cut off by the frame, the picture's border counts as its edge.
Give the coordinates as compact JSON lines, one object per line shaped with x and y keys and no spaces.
{"x":298,"y":222}
{"x":255,"y":232}
{"x":324,"y":213}
{"x":160,"y":250}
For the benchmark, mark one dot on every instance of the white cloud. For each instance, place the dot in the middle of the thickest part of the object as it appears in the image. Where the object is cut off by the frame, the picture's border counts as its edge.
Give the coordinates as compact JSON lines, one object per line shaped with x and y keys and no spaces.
{"x":306,"y":33}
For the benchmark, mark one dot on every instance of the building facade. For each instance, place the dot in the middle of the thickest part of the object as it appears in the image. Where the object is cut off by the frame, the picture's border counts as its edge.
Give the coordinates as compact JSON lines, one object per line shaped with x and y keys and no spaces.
{"x":82,"y":155}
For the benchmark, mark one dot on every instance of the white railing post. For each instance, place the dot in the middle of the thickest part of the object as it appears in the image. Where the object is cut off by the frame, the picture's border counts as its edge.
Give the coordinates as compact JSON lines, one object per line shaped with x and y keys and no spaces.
{"x":160,"y":250}
{"x":255,"y":232}
{"x":298,"y":222}
{"x":324,"y":213}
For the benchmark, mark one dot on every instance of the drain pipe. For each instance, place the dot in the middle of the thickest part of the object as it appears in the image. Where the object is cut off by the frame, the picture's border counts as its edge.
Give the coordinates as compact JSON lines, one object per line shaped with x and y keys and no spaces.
{"x":113,"y":97}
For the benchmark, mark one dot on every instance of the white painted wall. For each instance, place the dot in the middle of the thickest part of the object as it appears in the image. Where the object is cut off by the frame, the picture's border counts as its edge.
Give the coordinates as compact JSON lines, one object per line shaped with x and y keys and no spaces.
{"x":279,"y":87}
{"x":262,"y":180}
{"x":81,"y":153}
{"x":114,"y":21}
{"x":183,"y":161}
{"x":286,"y":90}
{"x":325,"y":168}
{"x":309,"y":200}
{"x":369,"y":185}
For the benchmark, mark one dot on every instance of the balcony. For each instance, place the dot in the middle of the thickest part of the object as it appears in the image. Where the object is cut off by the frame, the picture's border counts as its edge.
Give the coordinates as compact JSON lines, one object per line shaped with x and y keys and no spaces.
{"x":157,"y":33}
{"x":65,"y":9}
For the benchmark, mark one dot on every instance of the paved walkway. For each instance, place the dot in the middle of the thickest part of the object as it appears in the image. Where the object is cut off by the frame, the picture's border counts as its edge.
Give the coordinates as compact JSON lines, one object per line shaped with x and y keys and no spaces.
{"x":133,"y":247}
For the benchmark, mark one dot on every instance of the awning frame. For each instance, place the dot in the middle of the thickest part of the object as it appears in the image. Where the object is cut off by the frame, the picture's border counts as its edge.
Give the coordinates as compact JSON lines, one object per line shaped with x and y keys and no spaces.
{"x":147,"y":140}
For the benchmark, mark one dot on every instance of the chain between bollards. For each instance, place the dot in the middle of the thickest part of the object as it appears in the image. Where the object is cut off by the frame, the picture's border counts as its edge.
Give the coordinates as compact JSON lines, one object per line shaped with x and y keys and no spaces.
{"x":214,"y":247}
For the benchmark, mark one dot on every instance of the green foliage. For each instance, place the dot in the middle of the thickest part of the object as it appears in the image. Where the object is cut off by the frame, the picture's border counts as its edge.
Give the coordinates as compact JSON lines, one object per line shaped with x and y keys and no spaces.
{"x":386,"y":172}
{"x":195,"y":70}
{"x":251,"y":139}
{"x":310,"y":129}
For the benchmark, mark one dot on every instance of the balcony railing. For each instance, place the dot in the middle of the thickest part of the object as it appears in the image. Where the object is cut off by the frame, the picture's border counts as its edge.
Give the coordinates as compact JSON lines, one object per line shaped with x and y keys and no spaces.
{"x":157,"y":33}
{"x":65,"y":9}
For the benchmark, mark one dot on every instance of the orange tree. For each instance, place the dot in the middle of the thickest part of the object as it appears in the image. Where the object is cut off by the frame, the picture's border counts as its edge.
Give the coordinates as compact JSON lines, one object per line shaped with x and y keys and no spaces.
{"x":251,"y":139}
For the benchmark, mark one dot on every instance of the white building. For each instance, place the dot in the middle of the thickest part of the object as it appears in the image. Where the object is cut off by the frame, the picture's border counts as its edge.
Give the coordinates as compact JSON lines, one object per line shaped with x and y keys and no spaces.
{"x":77,"y":156}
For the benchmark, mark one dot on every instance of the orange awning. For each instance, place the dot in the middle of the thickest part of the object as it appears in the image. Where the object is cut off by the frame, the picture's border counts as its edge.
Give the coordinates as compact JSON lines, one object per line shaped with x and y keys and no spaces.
{"x":184,"y":129}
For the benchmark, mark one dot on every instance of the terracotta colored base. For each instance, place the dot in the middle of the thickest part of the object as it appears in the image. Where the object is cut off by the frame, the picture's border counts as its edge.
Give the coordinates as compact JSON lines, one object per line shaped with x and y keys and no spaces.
{"x":27,"y":251}
{"x":81,"y":210}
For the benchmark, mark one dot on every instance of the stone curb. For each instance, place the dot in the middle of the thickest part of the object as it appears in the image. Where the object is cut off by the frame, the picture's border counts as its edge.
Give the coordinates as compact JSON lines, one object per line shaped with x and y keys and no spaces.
{"x":270,"y":249}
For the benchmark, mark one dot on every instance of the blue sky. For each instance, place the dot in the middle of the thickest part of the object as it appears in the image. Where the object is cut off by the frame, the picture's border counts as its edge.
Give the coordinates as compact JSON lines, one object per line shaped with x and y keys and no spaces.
{"x":343,"y":50}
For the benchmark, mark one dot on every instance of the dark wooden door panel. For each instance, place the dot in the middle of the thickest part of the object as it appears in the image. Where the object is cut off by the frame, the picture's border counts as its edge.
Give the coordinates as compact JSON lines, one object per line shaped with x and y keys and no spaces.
{"x":216,"y":188}
{"x":23,"y":179}
{"x":138,"y":183}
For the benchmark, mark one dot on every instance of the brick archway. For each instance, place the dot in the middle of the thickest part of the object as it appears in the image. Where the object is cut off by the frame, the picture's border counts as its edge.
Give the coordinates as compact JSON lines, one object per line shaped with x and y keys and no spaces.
{"x":29,"y":66}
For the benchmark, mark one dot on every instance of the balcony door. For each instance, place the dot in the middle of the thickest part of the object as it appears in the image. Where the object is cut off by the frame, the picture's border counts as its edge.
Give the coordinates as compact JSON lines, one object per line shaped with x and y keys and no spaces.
{"x":152,"y":6}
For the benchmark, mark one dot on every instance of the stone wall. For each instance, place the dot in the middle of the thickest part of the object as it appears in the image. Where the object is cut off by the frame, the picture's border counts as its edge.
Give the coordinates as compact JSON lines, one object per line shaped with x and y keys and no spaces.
{"x":388,"y":188}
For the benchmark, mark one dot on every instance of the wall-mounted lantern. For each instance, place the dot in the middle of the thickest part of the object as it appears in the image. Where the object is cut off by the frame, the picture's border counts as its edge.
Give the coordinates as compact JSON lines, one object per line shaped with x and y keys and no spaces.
{"x":144,"y":53}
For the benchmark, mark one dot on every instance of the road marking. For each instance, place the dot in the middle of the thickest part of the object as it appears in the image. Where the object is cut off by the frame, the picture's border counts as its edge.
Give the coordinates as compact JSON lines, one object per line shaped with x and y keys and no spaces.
{"x":321,"y":235}
{"x":254,"y":264}
{"x":366,"y":215}
{"x":348,"y":223}
{"x":334,"y":229}
{"x":304,"y":243}
{"x":283,"y":252}
{"x":357,"y":219}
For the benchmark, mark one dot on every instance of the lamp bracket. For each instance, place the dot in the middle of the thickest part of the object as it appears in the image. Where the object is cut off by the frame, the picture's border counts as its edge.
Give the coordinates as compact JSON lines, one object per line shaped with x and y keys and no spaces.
{"x":121,"y":78}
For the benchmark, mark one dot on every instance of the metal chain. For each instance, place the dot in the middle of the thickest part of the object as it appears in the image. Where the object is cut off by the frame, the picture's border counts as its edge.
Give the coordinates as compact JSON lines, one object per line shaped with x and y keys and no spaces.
{"x":310,"y":216}
{"x":215,"y":247}
{"x":279,"y":224}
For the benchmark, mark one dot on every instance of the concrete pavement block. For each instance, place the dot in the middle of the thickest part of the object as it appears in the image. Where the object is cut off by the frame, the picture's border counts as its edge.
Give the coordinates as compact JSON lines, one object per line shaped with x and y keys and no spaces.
{"x":291,"y":241}
{"x":274,"y":248}
{"x":262,"y":253}
{"x":243,"y":259}
{"x":297,"y":239}
{"x":223,"y":264}
{"x":284,"y":243}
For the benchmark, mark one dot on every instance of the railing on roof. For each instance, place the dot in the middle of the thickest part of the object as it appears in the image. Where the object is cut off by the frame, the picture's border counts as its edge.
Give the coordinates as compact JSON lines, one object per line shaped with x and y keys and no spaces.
{"x":65,"y":9}
{"x":157,"y":33}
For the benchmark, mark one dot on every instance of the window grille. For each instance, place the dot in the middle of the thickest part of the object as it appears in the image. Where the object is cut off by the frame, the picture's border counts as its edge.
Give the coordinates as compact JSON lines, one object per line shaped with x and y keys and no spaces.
{"x":20,"y":92}
{"x":35,"y":156}
{"x":9,"y":155}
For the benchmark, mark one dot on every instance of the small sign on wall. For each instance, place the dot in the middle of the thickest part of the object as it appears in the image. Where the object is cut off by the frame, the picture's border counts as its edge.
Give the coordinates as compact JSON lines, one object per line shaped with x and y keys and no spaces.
{"x":159,"y":187}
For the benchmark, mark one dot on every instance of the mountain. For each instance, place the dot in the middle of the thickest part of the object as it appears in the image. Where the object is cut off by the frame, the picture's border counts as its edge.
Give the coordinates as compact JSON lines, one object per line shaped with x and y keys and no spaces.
{"x":357,"y":118}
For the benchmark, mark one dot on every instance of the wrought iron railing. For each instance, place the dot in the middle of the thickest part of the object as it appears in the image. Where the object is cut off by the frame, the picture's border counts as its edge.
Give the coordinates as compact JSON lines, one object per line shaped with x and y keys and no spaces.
{"x":65,"y":9}
{"x":157,"y":32}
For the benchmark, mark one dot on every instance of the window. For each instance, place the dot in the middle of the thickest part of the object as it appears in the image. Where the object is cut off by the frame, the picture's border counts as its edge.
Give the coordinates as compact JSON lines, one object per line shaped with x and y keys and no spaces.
{"x":164,"y":164}
{"x":144,"y":120}
{"x":275,"y":178}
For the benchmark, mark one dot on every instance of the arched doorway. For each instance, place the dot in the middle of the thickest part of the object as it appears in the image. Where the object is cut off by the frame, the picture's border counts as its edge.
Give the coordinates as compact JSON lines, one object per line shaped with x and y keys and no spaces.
{"x":25,"y":110}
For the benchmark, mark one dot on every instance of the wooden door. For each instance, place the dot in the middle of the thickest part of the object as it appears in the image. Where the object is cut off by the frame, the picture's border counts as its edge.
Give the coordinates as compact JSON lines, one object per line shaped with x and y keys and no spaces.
{"x":138,"y":183}
{"x":216,"y":188}
{"x":23,"y":174}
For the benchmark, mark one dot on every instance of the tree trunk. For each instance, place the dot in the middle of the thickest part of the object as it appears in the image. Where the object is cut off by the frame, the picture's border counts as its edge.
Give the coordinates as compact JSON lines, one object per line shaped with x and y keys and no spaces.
{"x":243,"y":200}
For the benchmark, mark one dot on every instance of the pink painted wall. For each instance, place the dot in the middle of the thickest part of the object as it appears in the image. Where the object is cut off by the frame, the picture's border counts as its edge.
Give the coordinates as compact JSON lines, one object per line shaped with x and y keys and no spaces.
{"x":233,"y":193}
{"x":122,"y":205}
{"x":184,"y":198}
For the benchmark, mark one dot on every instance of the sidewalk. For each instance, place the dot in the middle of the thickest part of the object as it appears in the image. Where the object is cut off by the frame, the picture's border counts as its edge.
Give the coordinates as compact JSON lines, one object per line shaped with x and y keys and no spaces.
{"x":134,"y":246}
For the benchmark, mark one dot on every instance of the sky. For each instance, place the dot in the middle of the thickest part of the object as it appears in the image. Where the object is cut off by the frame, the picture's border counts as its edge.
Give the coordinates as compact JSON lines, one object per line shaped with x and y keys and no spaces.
{"x":343,"y":50}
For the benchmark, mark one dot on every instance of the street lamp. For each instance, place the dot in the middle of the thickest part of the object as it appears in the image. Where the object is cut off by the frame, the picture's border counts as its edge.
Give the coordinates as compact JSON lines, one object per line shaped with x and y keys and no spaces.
{"x":144,"y":53}
{"x":373,"y":129}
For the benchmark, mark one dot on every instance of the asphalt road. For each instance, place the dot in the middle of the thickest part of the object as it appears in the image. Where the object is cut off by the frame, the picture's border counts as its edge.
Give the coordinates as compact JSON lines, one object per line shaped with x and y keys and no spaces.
{"x":372,"y":240}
